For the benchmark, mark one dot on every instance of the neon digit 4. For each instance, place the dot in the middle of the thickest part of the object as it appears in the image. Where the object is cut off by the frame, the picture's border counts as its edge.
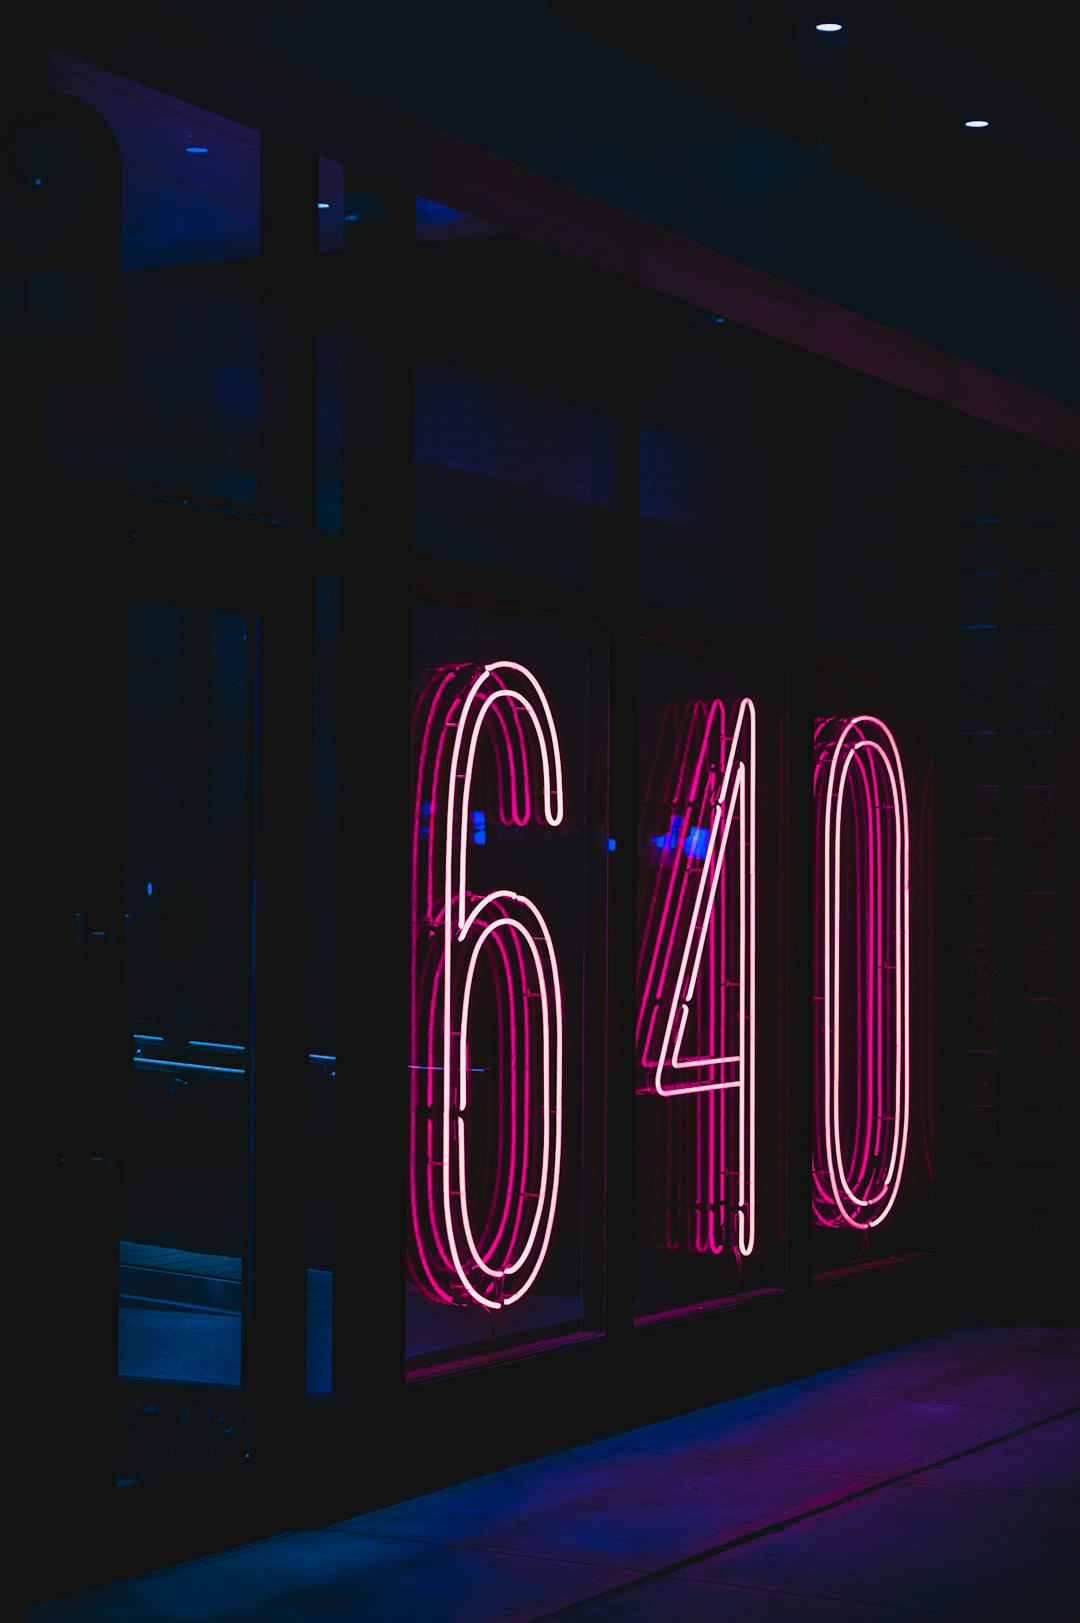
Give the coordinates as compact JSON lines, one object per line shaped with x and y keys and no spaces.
{"x":697,"y":969}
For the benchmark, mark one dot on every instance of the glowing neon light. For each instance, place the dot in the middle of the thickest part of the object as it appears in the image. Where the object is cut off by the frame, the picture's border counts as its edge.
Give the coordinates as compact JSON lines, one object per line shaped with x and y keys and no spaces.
{"x":187,"y":1065}
{"x":485,"y":971}
{"x":863,"y":972}
{"x":697,"y":974}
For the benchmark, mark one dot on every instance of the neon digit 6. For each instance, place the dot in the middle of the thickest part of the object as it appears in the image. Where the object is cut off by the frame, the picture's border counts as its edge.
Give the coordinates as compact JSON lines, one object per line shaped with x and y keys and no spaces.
{"x":862,"y":971}
{"x":697,"y":996}
{"x":485,"y":972}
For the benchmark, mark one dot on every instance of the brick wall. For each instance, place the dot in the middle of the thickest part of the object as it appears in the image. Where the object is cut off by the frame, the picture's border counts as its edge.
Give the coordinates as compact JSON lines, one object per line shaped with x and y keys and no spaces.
{"x":1006,"y":1088}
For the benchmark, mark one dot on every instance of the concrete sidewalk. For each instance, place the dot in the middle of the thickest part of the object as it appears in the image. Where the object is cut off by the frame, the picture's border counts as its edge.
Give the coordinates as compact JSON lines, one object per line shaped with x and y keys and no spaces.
{"x":939,"y":1480}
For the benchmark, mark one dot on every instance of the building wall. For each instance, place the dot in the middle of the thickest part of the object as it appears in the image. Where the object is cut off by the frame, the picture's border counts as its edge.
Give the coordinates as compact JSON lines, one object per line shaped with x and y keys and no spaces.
{"x":1013,"y":1078}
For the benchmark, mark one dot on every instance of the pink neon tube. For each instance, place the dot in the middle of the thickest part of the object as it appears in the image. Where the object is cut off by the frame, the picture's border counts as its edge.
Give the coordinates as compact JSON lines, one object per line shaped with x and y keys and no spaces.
{"x":864,"y":904}
{"x":489,"y":724}
{"x":698,"y":946}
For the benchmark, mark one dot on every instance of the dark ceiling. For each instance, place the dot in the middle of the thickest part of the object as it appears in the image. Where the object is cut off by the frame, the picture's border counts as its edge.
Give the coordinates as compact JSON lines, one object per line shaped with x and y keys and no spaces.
{"x":888,"y":95}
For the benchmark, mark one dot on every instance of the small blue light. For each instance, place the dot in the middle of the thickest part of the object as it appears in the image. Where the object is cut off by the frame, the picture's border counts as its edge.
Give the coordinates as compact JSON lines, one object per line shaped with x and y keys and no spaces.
{"x":610,"y":843}
{"x":37,"y":180}
{"x":322,"y":205}
{"x":696,"y":843}
{"x":362,"y":206}
{"x":828,"y":28}
{"x":149,"y":887}
{"x":479,"y":823}
{"x":668,"y":841}
{"x":186,"y":1065}
{"x":718,"y":321}
{"x":196,"y":149}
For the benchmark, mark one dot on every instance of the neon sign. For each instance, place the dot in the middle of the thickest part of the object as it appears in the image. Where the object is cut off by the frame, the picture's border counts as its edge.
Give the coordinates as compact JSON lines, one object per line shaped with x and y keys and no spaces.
{"x":862,"y":972}
{"x":486,"y":1060}
{"x":487,"y":1030}
{"x":697,"y":972}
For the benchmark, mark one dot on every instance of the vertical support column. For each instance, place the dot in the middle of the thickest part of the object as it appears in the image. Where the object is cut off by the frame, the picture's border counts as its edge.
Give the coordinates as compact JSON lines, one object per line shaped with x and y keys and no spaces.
{"x":970,"y":940}
{"x":1067,"y":1249}
{"x":70,"y":1047}
{"x":616,"y":575}
{"x":288,"y":268}
{"x":793,"y":418}
{"x":275,"y":1276}
{"x":371,"y":1112}
{"x":1033,"y":1150}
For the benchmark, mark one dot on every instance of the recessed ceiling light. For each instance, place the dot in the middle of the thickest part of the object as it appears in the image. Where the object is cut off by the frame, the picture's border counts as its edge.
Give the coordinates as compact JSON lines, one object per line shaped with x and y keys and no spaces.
{"x":196,"y":149}
{"x":828,"y":28}
{"x":976,"y":123}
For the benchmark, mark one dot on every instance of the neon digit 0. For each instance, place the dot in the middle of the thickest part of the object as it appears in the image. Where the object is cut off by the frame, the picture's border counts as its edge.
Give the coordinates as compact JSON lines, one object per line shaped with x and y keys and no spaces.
{"x":487,"y":1046}
{"x":697,"y":974}
{"x":862,"y":972}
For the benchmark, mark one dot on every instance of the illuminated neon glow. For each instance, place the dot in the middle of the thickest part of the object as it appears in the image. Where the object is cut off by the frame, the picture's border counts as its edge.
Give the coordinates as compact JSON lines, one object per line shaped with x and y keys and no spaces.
{"x":485,"y":970}
{"x":697,"y":978}
{"x":863,"y":972}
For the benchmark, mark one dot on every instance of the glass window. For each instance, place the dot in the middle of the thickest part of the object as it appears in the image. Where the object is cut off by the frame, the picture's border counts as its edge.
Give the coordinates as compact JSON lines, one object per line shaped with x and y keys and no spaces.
{"x":513,"y":452}
{"x":878,"y":490}
{"x":180,"y":414}
{"x":712,"y":527}
{"x":505,"y":864}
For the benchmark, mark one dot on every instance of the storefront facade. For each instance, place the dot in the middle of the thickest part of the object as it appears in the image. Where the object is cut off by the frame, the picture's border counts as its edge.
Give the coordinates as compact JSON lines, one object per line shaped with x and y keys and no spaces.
{"x":516,"y":665}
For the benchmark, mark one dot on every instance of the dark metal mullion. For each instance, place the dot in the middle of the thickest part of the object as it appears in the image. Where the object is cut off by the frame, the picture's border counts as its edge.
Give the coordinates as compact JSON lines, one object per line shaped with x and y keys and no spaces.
{"x":68,"y":1127}
{"x":275,"y":1275}
{"x":288,"y":265}
{"x":370,"y":1126}
{"x":943,"y":1047}
{"x":1006,"y":1212}
{"x":616,"y":569}
{"x":798,"y":564}
{"x":1067,"y":798}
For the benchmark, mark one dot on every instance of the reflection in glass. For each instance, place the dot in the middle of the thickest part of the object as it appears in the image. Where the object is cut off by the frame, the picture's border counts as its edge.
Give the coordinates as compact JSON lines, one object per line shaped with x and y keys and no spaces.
{"x":513,"y":451}
{"x":181,"y":414}
{"x":711,"y":516}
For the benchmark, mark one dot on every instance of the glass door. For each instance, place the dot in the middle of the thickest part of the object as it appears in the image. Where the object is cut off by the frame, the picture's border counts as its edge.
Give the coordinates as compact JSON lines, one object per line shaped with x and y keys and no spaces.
{"x":166,"y":1257}
{"x":187,"y":869}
